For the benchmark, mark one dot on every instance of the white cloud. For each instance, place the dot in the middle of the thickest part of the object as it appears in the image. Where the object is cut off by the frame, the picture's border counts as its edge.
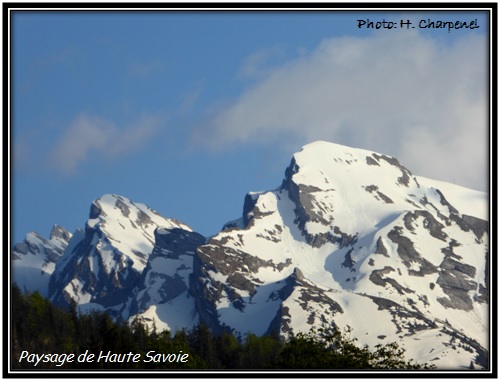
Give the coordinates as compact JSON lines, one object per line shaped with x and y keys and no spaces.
{"x":401,"y":94}
{"x":90,"y":135}
{"x":257,"y":64}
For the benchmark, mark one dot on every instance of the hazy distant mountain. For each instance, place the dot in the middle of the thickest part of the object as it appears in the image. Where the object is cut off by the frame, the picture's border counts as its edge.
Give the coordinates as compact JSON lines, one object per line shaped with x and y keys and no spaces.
{"x":350,"y":237}
{"x":35,"y":258}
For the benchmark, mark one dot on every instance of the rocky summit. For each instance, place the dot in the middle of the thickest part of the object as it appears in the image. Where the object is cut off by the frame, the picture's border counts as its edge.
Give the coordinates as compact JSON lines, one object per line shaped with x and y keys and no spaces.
{"x":350,"y":238}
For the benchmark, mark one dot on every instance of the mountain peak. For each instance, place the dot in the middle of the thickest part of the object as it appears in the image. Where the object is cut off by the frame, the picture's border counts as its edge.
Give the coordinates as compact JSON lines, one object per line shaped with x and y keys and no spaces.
{"x":346,"y":191}
{"x":327,"y":159}
{"x":59,"y":233}
{"x":348,"y":231}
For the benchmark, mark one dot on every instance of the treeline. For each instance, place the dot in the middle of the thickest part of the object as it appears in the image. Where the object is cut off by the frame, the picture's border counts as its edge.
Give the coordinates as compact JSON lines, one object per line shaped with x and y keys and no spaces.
{"x":38,"y":327}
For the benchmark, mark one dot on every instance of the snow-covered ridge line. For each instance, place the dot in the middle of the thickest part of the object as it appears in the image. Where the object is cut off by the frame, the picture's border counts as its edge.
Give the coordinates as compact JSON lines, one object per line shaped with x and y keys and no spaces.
{"x":348,"y":233}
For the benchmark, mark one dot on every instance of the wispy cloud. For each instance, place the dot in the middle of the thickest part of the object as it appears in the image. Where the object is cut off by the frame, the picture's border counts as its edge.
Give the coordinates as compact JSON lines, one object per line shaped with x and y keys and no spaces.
{"x":21,"y":152}
{"x":58,"y":59}
{"x":189,"y":99}
{"x":257,"y":64}
{"x":144,"y":69}
{"x":89,"y":135}
{"x":67,"y":55}
{"x":402,"y":94}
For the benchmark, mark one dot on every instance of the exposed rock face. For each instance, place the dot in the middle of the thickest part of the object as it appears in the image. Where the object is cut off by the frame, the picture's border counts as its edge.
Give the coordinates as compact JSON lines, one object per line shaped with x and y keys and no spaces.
{"x":235,"y":267}
{"x":409,"y":255}
{"x":469,"y":223}
{"x":87,"y":278}
{"x":174,"y":242}
{"x":166,"y":276}
{"x":434,"y":227}
{"x":378,"y":278}
{"x":456,"y":280}
{"x":315,"y":305}
{"x":406,"y":175}
{"x":310,"y":207}
{"x":380,"y":248}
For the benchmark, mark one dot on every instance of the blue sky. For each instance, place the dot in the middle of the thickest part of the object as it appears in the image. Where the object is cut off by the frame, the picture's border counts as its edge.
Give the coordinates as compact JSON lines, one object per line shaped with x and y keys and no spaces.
{"x":188,"y":111}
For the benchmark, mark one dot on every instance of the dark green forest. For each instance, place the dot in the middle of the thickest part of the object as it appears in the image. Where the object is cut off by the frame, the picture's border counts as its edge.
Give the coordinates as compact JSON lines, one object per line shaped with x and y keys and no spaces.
{"x":40,"y":328}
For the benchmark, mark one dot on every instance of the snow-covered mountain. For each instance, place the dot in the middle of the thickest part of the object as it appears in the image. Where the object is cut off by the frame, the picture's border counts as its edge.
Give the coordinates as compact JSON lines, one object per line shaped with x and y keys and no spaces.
{"x":350,"y":237}
{"x":34,"y":259}
{"x":102,"y":268}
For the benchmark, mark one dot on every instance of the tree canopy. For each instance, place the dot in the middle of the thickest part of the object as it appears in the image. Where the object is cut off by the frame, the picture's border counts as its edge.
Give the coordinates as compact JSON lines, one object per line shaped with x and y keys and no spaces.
{"x":40,"y":327}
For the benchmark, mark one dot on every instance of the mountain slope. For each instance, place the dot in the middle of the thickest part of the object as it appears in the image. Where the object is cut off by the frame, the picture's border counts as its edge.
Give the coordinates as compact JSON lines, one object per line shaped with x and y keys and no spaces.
{"x":349,"y":231}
